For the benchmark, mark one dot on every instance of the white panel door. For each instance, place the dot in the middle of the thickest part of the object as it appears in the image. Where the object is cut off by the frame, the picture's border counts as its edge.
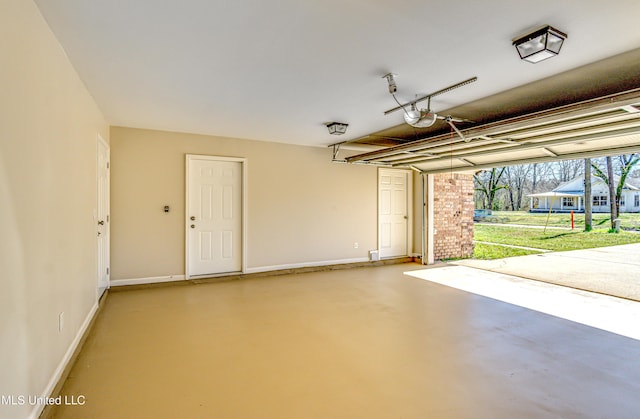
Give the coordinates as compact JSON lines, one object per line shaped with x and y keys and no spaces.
{"x":214,"y":216}
{"x":102,"y":216}
{"x":393,"y":213}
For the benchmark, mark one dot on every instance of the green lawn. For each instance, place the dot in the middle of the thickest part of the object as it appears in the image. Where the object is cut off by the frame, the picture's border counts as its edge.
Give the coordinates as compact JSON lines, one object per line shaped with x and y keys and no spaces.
{"x":488,"y":251}
{"x":553,"y":239}
{"x":628,"y":221}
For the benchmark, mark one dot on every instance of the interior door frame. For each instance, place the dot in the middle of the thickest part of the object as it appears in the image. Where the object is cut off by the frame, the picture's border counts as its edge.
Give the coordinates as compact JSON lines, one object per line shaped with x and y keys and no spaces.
{"x":409,"y":174}
{"x":243,"y":210}
{"x":107,"y":227}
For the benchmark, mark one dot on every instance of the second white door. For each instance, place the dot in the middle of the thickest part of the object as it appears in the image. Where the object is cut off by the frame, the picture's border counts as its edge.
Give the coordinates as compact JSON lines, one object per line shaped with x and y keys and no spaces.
{"x":214,"y":216}
{"x":102,"y":216}
{"x":393,"y":212}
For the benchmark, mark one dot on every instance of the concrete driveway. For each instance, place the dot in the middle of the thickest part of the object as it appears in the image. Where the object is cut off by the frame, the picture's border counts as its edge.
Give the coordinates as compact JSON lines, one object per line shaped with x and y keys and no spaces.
{"x":611,"y":270}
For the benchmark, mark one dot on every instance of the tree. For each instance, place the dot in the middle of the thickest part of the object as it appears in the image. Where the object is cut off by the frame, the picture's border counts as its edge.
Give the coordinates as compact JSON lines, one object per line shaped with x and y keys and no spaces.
{"x":588,"y":218}
{"x":613,"y":203}
{"x":566,"y":170}
{"x":516,"y":179}
{"x":488,"y":183}
{"x":625,"y":165}
{"x":540,"y":177}
{"x":534,"y":178}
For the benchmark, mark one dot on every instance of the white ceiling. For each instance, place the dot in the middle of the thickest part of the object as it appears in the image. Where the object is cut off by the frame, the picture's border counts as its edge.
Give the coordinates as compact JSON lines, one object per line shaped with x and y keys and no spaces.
{"x":278,"y":70}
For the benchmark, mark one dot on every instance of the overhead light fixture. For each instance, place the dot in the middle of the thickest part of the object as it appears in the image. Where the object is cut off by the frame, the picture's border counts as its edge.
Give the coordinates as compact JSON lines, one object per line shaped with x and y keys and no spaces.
{"x":337,"y":128}
{"x":539,"y":45}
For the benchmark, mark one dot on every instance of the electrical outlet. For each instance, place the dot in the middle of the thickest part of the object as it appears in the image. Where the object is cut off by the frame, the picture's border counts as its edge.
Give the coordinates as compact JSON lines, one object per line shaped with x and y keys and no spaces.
{"x":356,"y":245}
{"x":61,"y":321}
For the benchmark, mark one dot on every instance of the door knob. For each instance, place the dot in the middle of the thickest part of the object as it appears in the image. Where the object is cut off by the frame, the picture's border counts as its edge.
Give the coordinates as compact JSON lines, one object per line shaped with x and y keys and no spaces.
{"x":193,"y":226}
{"x":193,"y":218}
{"x":101,"y":222}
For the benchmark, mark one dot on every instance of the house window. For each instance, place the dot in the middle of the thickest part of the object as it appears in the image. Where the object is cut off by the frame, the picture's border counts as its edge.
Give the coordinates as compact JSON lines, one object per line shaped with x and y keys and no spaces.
{"x":636,"y":201}
{"x":622,"y":202}
{"x":567,"y":201}
{"x":600,"y":200}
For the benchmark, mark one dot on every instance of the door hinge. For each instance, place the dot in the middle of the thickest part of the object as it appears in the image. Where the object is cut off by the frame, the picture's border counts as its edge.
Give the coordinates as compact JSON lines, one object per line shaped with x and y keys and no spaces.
{"x":107,"y":218}
{"x":107,"y":165}
{"x":107,"y":271}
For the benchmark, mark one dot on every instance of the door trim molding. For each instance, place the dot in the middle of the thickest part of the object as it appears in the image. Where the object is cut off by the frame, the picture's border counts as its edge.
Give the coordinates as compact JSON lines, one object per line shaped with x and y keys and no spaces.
{"x":243,"y":162}
{"x":409,"y":208}
{"x":107,"y":197}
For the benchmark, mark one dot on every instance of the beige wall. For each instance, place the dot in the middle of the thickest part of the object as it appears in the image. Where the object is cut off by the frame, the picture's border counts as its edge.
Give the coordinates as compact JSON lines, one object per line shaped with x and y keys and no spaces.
{"x":48,"y":129}
{"x":302,"y":209}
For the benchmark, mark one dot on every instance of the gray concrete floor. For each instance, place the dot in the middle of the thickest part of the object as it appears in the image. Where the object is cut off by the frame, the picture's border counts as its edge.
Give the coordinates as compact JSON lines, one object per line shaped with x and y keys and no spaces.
{"x":611,"y":270}
{"x":617,"y":315}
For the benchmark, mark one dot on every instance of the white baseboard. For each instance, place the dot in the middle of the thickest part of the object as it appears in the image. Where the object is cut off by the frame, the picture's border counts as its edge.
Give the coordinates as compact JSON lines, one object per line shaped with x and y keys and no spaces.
{"x":304,"y":265}
{"x":259,"y":269}
{"x":38,"y":408}
{"x":149,"y":280}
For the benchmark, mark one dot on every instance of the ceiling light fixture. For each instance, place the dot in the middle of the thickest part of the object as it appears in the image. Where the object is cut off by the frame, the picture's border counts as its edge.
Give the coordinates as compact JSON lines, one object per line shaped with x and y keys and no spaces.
{"x":337,"y":128}
{"x":539,"y":45}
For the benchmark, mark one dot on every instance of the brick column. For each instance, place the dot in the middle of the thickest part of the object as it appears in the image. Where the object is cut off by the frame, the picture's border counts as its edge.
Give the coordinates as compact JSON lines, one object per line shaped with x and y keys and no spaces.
{"x":453,"y":215}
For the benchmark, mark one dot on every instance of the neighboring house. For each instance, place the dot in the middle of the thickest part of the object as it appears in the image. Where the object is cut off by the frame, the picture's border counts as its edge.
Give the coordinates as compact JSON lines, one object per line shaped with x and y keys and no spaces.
{"x":570,"y":197}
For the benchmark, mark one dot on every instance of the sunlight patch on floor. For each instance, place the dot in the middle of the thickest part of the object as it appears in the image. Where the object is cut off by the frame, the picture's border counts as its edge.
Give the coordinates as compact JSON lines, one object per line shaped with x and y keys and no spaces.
{"x":613,"y":314}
